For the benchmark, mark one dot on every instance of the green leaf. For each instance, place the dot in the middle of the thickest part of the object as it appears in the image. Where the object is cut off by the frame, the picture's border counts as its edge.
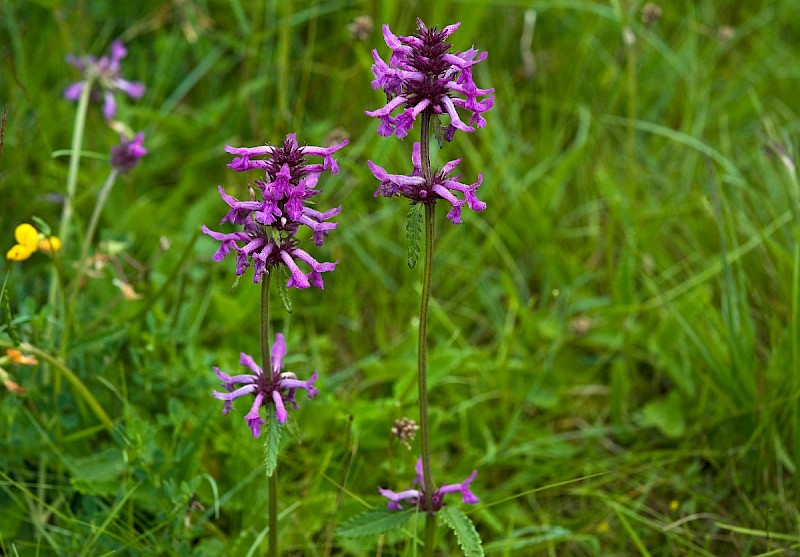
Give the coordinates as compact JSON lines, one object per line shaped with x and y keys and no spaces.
{"x":283,"y":291}
{"x":666,"y":414}
{"x":273,"y":443}
{"x":465,"y":531}
{"x":438,"y":130}
{"x":413,"y":233}
{"x":41,"y":226}
{"x":376,"y":521}
{"x":98,"y":473}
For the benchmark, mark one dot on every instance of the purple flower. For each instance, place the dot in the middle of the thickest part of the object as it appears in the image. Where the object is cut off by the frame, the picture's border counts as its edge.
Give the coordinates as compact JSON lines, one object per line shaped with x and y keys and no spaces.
{"x":126,"y":155}
{"x":105,"y":77}
{"x":416,"y":497}
{"x":271,"y":220}
{"x":423,"y":75}
{"x":276,"y":387}
{"x":442,"y":186}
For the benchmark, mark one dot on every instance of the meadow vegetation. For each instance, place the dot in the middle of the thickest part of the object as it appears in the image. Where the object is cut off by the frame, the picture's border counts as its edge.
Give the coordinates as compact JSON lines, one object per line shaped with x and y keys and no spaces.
{"x":614,"y":341}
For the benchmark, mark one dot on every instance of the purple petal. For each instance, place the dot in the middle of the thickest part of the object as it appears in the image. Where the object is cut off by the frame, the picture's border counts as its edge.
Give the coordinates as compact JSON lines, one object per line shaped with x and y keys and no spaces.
{"x":280,"y":409}
{"x":73,"y":92}
{"x":248,"y":361}
{"x":277,"y":353}
{"x":133,"y":89}
{"x":253,"y":419}
{"x":109,"y":106}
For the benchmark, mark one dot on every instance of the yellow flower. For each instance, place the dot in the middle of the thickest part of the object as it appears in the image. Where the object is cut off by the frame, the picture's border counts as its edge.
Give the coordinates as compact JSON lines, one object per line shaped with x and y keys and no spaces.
{"x":18,"y":253}
{"x":27,"y":236}
{"x":30,"y":240}
{"x":50,"y":245}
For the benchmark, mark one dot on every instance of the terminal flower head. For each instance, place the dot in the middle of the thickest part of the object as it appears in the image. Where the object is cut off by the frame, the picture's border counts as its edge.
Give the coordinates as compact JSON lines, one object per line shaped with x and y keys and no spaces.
{"x":274,"y":387}
{"x":416,"y":497}
{"x":423,"y":75}
{"x":418,"y":190}
{"x":30,"y":240}
{"x":105,"y":79}
{"x":278,"y":206}
{"x":126,"y":155}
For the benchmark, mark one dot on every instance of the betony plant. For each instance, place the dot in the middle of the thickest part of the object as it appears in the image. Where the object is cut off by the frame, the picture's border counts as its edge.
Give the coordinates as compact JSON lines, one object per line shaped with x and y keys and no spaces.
{"x":424,"y":80}
{"x":266,"y":239}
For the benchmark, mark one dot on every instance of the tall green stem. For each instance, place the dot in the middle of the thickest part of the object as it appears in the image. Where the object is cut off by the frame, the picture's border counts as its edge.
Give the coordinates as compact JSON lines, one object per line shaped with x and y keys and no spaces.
{"x":267,"y":368}
{"x":69,"y":308}
{"x":74,"y":161}
{"x":422,"y":348}
{"x":67,"y":211}
{"x":102,"y":197}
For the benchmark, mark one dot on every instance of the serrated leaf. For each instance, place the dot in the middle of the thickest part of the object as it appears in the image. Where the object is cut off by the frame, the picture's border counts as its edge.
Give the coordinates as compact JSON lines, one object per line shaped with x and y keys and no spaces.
{"x":374,"y":522}
{"x":41,"y":226}
{"x":283,"y":291}
{"x":464,"y":529}
{"x":414,"y":233}
{"x":273,"y":443}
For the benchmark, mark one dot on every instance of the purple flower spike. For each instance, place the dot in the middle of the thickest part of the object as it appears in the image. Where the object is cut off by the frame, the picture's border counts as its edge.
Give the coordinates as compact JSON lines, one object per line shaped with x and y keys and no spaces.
{"x":442,"y":186}
{"x":106,"y":79}
{"x":271,"y":220}
{"x":126,"y":155}
{"x":416,"y":497}
{"x":277,"y":386}
{"x":423,"y":75}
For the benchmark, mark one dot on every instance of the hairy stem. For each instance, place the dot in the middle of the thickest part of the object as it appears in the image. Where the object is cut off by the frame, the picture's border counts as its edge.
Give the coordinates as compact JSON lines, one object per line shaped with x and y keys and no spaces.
{"x":422,"y":349}
{"x":267,"y":368}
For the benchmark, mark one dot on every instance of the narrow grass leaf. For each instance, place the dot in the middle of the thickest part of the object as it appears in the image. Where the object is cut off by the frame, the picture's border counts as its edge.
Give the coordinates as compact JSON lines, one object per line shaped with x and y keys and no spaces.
{"x":12,"y":330}
{"x":755,"y":532}
{"x":634,"y":536}
{"x":464,"y":529}
{"x":374,"y":522}
{"x":414,"y":233}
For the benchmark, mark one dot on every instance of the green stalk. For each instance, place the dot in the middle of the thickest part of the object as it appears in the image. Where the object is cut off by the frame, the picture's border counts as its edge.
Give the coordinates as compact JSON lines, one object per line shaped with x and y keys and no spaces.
{"x":102,"y":197}
{"x":69,"y":308}
{"x":422,"y":348}
{"x":267,"y":368}
{"x":74,"y":161}
{"x":57,"y":364}
{"x":66,"y":212}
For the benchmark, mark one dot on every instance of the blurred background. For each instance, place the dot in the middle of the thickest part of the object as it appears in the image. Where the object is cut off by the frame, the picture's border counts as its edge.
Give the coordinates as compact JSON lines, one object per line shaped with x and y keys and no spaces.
{"x":615,"y":341}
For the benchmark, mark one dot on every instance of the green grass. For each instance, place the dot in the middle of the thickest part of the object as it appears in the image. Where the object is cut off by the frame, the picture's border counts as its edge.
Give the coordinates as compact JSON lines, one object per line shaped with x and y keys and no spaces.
{"x":615,"y":341}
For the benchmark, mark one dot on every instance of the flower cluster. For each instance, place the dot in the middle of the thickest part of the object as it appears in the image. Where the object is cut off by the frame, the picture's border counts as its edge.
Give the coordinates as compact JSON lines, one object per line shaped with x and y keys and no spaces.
{"x":418,"y":190}
{"x":105,"y":79}
{"x":416,"y":497}
{"x":126,"y":155}
{"x":276,"y":386}
{"x":30,"y":240}
{"x":422,"y":74}
{"x":275,"y":211}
